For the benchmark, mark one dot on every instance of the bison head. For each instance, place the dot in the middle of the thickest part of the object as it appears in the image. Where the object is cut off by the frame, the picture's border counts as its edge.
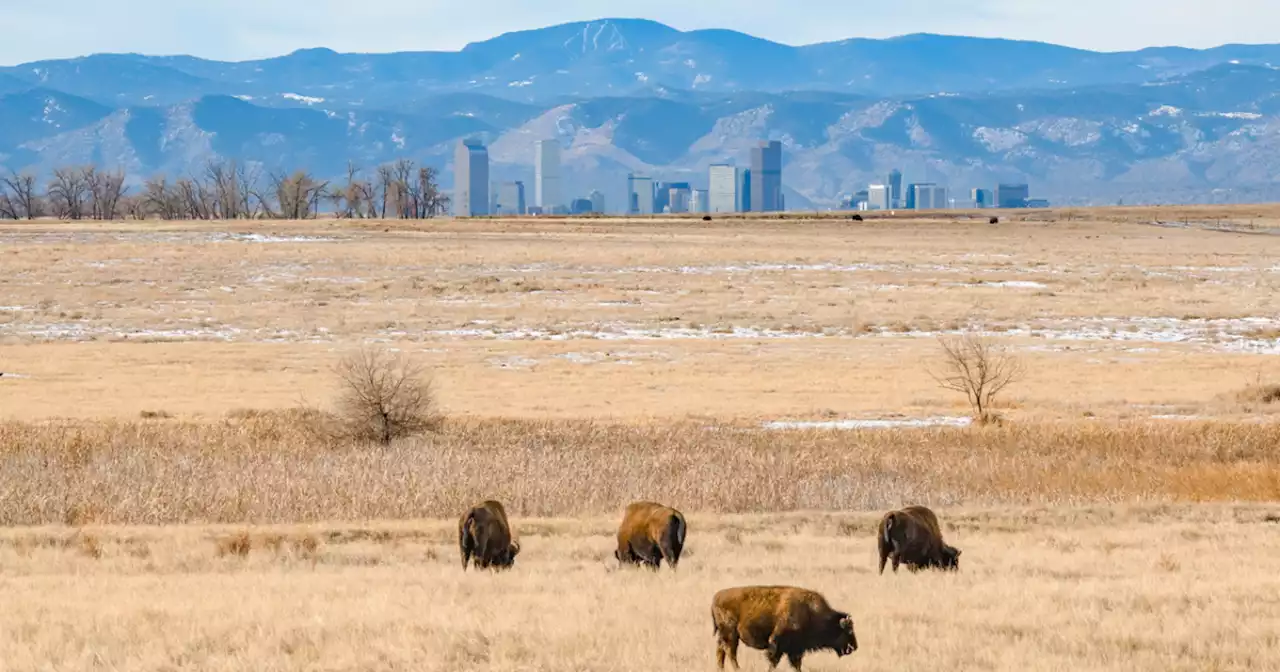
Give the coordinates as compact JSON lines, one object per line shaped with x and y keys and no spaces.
{"x":843,"y":640}
{"x":950,"y":558}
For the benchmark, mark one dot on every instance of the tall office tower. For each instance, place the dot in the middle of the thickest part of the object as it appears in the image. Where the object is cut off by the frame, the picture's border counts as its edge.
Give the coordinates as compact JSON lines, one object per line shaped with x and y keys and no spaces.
{"x":700,"y":201}
{"x":678,"y":197}
{"x":981,"y":198}
{"x":662,"y":195}
{"x":1012,"y":195}
{"x":510,"y":199}
{"x":931,"y":197}
{"x":597,"y":202}
{"x":723,"y":194}
{"x":766,"y":177}
{"x":913,"y":194}
{"x":471,"y":179}
{"x":546,"y":175}
{"x":744,"y":190}
{"x":895,"y":188}
{"x":878,"y":196}
{"x":640,"y":195}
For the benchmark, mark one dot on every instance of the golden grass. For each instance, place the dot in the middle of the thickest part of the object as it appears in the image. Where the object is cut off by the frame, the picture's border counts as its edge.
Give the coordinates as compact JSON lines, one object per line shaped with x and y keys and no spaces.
{"x":1138,"y":589}
{"x":188,"y":518}
{"x":270,"y":468}
{"x":838,"y":310}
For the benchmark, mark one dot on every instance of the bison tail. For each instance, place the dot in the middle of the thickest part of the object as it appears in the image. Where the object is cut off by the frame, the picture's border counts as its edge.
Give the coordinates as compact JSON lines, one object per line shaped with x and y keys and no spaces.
{"x":466,"y":539}
{"x":673,"y":540}
{"x":888,"y":525}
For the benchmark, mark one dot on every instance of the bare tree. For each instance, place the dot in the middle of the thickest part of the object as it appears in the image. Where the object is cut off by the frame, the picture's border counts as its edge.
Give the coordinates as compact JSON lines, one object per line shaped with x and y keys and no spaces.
{"x":21,"y":188}
{"x":297,"y":195}
{"x":384,"y":396}
{"x":431,"y":201}
{"x":105,"y":191}
{"x":977,"y":369}
{"x":68,"y":193}
{"x":160,"y":200}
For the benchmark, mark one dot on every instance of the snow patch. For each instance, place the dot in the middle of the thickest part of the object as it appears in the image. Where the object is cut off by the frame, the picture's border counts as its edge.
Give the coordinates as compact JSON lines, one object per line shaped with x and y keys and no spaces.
{"x":894,"y":423}
{"x":306,"y":100}
{"x":1166,"y":111}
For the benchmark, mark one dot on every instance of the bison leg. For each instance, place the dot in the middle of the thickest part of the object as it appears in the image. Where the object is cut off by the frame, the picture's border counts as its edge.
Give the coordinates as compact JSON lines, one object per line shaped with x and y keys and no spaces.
{"x":729,"y":645}
{"x":795,"y":659}
{"x":896,"y":561}
{"x":774,"y":653}
{"x":465,"y":546}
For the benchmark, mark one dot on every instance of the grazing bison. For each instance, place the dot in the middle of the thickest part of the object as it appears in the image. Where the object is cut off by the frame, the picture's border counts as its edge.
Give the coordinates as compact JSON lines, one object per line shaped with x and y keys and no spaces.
{"x":913,"y":536}
{"x":650,"y":533}
{"x":782,"y":621}
{"x":483,"y":533}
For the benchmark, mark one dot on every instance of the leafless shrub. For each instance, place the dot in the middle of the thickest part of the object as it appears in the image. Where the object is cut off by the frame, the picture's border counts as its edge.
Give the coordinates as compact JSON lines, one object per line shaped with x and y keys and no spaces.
{"x":978,"y":369}
{"x":384,"y":396}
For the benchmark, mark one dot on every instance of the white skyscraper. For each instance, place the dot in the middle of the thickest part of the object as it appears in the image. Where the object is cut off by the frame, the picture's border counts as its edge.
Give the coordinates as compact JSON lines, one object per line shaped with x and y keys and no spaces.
{"x":639,"y":195}
{"x":471,"y":179}
{"x":546,"y":175}
{"x":879,"y":197}
{"x":723,"y":194}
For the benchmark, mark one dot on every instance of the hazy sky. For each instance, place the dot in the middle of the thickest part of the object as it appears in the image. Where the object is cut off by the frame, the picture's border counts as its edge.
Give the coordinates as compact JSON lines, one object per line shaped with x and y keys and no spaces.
{"x":243,"y":29}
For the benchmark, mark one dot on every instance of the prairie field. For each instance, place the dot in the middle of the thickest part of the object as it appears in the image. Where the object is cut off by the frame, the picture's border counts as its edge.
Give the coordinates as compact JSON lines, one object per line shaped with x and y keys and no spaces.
{"x":169,"y":499}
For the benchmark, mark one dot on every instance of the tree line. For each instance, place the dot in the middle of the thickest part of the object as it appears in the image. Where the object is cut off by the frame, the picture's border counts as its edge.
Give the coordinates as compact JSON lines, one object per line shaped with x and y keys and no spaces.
{"x":225,"y":189}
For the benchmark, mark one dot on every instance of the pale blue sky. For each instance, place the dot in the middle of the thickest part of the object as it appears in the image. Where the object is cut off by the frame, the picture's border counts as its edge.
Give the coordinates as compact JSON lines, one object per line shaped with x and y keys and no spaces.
{"x":243,"y":29}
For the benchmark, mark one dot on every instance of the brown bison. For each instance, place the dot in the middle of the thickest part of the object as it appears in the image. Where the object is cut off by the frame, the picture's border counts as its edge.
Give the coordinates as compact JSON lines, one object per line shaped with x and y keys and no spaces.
{"x":483,"y":533}
{"x":650,"y":533}
{"x":913,"y":536}
{"x":780,"y":620}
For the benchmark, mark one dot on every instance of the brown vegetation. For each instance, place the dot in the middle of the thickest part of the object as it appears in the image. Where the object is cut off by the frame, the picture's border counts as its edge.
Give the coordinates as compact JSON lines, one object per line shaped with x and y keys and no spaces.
{"x":225,"y":190}
{"x":271,"y":468}
{"x":384,"y":396}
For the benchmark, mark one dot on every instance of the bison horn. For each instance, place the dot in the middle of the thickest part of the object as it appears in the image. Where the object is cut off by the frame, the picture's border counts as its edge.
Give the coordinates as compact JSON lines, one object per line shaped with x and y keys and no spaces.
{"x":515,"y":547}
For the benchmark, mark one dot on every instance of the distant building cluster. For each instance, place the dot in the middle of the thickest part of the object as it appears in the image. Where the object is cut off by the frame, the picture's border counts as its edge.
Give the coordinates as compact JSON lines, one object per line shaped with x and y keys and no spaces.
{"x":730,"y":189}
{"x":890,"y":195}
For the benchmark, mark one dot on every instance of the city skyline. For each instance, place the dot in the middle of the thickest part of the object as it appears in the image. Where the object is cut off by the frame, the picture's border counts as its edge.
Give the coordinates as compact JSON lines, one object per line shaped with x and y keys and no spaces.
{"x":729,"y":189}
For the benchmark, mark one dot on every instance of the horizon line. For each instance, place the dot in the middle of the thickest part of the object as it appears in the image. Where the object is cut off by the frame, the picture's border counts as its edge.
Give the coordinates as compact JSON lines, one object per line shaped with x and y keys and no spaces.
{"x":460,"y":50}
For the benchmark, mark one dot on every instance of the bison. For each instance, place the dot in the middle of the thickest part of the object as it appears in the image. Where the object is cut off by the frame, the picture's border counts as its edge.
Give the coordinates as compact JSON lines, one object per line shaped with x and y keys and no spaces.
{"x":780,"y":620}
{"x":913,"y":536}
{"x":485,"y":535}
{"x":650,"y":533}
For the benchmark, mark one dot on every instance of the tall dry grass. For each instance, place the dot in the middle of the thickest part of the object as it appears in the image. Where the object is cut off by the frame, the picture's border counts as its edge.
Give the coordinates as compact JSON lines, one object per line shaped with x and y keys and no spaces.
{"x":272,"y":468}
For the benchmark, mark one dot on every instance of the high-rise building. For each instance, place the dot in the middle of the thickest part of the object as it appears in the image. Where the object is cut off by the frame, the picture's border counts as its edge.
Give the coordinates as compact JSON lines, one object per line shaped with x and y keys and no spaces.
{"x":662,"y":195}
{"x":744,"y":190}
{"x":878,"y":196}
{"x":895,"y":188}
{"x":700,"y":201}
{"x":1012,"y":195}
{"x":546,"y":175}
{"x":471,"y":179}
{"x":723,"y":194}
{"x":766,"y":177}
{"x":509,"y":199}
{"x":913,"y":195}
{"x":930,"y":197}
{"x":597,"y":202}
{"x":678,"y":198}
{"x":982,"y":198}
{"x":639,"y":195}
{"x":580,"y":206}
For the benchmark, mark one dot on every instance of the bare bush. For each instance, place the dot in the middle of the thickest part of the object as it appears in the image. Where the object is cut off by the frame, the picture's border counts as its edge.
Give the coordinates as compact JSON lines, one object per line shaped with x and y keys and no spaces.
{"x":384,"y":396}
{"x":978,"y":369}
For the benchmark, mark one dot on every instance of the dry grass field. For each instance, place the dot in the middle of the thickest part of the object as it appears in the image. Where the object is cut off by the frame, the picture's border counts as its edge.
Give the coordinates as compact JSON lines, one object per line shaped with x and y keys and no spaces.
{"x":167,"y":503}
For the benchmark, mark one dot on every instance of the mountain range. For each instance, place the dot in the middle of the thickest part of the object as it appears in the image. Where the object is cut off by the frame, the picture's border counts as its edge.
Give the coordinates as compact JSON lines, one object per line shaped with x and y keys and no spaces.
{"x":622,"y":95}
